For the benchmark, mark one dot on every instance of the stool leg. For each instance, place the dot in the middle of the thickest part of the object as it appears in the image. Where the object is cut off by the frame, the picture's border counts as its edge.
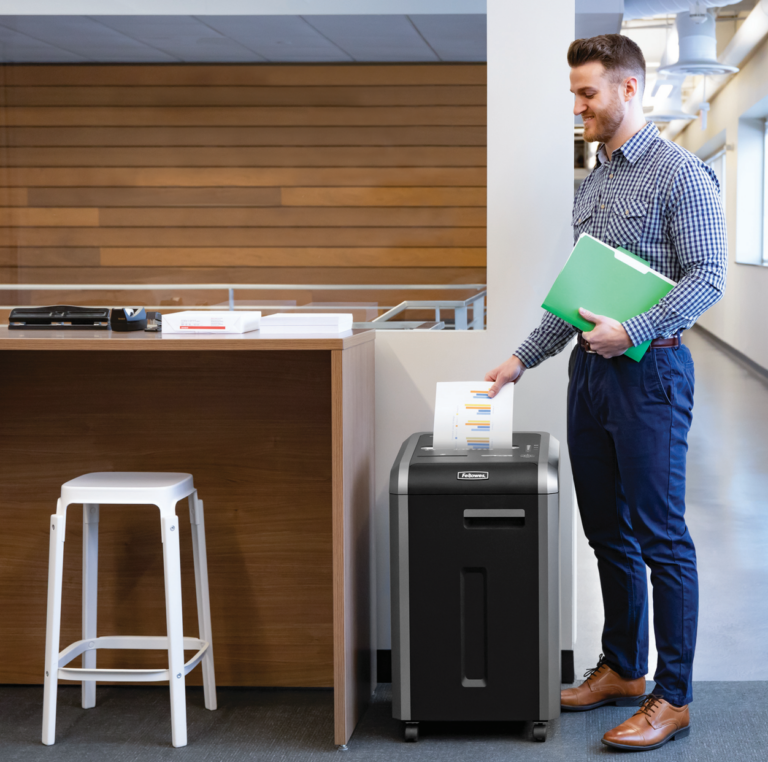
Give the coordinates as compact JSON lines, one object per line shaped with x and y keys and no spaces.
{"x":203,"y":599}
{"x":53,"y":626}
{"x":90,"y":592}
{"x":172,"y":567}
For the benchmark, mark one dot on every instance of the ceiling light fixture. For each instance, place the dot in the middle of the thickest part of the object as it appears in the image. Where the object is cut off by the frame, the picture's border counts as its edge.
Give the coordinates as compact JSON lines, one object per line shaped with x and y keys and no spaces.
{"x":697,"y":39}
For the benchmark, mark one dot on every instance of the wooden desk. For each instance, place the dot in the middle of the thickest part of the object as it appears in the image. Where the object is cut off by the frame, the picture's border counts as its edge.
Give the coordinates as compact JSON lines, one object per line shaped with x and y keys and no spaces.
{"x":278,"y":434}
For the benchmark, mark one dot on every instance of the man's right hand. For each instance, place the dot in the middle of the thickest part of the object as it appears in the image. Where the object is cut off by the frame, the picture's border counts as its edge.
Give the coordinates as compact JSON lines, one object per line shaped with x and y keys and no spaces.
{"x":510,"y":371}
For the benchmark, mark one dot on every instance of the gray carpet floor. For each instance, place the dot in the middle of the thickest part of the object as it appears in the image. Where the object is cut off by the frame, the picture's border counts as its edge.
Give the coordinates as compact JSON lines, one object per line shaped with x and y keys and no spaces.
{"x":729,"y":721}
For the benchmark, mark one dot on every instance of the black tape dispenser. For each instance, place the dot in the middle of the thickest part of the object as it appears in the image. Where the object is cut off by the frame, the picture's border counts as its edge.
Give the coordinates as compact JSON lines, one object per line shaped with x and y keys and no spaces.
{"x":126,"y":319}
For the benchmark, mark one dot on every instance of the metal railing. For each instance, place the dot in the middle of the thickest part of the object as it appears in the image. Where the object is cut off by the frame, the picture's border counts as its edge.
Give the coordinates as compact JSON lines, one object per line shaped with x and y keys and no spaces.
{"x":460,"y":307}
{"x":460,"y":311}
{"x":402,"y":325}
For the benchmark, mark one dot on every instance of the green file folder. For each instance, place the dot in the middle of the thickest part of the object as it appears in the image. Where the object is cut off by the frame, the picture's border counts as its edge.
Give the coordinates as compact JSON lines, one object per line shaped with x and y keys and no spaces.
{"x":605,"y":281}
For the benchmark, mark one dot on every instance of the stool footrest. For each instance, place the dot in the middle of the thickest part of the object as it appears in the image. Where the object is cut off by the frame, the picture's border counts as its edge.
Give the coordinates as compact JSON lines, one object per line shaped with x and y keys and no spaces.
{"x":138,"y":642}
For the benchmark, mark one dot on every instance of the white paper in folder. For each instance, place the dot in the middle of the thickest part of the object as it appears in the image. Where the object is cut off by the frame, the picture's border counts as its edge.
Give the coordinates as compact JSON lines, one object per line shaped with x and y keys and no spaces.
{"x":466,"y":418}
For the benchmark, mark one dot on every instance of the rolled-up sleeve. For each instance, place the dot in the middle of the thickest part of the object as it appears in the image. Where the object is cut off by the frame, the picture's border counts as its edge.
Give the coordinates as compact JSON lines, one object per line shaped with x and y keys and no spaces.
{"x":545,"y":341}
{"x":695,"y":225}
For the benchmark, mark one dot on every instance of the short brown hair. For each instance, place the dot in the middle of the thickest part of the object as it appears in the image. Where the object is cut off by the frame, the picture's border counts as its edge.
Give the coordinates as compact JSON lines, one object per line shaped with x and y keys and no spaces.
{"x":615,"y":52}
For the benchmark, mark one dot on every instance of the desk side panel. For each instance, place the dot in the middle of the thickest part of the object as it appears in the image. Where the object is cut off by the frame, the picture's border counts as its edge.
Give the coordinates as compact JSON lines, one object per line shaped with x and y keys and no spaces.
{"x":353,"y":419}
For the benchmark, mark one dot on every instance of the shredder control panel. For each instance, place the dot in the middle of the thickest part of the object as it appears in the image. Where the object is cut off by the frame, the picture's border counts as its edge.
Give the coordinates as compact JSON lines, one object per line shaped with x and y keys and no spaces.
{"x":515,"y":470}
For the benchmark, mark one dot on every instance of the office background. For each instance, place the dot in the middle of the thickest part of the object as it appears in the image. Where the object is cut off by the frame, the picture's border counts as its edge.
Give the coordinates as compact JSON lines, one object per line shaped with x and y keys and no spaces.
{"x":101,"y":173}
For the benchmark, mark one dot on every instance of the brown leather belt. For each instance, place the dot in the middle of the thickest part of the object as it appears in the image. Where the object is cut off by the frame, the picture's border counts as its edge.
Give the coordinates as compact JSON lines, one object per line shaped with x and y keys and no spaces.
{"x":672,"y":341}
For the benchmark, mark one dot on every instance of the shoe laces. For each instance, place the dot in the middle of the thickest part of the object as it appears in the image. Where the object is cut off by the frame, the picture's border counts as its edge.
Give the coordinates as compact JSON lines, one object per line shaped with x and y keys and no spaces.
{"x":594,"y":670}
{"x":649,"y":704}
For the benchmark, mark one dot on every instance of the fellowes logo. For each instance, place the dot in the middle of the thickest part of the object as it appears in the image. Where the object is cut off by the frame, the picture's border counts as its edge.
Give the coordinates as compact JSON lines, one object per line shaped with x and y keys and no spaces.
{"x":472,"y":475}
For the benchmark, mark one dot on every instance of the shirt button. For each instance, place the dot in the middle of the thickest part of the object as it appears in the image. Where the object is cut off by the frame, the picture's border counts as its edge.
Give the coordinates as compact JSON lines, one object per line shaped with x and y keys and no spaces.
{"x":610,"y":176}
{"x":602,"y":206}
{"x":626,"y":211}
{"x":579,"y":219}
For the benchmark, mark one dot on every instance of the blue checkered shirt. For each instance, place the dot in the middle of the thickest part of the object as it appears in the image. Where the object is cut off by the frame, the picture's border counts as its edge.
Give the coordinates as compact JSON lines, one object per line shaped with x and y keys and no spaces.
{"x":662,"y":203}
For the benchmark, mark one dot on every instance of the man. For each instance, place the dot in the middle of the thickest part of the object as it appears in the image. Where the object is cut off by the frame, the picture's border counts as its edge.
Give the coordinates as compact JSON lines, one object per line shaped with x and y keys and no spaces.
{"x":627,"y":421}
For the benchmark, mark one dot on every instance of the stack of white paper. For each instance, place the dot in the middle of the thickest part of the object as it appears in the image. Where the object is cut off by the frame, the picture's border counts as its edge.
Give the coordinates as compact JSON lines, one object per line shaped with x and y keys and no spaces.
{"x":211,"y":322}
{"x":466,"y":418}
{"x":318,"y":322}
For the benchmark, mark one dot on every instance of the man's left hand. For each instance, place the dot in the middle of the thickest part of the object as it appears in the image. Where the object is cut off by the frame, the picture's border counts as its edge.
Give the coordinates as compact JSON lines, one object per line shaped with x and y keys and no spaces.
{"x":608,"y":338}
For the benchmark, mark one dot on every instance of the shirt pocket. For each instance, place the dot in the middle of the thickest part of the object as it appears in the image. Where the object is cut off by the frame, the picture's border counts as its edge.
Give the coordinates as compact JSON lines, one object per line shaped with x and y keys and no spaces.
{"x":582,"y":218}
{"x":627,"y":221}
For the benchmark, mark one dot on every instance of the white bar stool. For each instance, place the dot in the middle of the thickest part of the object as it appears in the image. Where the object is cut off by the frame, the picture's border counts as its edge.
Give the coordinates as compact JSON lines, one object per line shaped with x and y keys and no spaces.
{"x":162,"y":490}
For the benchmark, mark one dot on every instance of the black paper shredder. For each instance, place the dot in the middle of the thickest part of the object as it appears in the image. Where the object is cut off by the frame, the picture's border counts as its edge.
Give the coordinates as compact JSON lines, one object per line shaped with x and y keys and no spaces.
{"x":474,"y":540}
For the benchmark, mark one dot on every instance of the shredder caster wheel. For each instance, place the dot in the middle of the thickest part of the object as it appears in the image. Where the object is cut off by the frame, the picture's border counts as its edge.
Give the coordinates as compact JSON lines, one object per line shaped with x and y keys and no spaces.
{"x":412,"y":731}
{"x":540,"y":731}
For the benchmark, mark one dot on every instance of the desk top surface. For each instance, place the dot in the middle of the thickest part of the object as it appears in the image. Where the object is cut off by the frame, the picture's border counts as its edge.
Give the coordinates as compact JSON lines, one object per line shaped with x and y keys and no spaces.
{"x":81,"y":339}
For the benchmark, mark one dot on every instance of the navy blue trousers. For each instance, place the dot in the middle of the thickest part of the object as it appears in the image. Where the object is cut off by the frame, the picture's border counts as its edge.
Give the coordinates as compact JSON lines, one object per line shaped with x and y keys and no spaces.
{"x":628,"y":426}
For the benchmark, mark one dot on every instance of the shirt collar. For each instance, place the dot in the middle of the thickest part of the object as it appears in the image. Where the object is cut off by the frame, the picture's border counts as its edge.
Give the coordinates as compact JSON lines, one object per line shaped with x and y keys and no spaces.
{"x":635,"y":147}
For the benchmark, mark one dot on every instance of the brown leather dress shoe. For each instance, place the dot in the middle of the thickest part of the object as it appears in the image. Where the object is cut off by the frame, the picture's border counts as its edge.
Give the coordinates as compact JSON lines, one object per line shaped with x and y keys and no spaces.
{"x":655,"y":723}
{"x":602,"y":686}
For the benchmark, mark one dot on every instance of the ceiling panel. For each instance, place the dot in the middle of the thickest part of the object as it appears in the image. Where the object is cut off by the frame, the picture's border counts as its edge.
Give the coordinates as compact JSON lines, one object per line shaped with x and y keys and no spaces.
{"x":592,"y":24}
{"x":186,"y":38}
{"x":459,"y":37}
{"x":281,"y":39}
{"x":85,"y":37}
{"x":375,"y":38}
{"x":243,"y":39}
{"x":20,"y":48}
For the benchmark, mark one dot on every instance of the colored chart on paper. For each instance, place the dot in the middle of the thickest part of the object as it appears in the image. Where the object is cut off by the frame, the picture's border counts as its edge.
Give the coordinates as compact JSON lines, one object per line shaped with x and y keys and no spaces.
{"x":466,"y":418}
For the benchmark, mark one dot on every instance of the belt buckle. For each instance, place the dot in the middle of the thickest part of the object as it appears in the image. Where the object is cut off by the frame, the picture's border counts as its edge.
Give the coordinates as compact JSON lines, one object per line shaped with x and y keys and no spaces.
{"x":587,"y":348}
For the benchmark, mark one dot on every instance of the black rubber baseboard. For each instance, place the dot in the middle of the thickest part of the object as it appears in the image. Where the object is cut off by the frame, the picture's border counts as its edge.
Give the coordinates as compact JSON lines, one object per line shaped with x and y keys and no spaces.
{"x":384,"y":666}
{"x":567,"y":671}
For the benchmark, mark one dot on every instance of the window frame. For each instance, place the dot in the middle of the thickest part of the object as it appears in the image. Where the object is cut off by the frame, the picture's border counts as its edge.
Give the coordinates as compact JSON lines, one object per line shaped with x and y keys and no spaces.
{"x":721,"y":177}
{"x":764,"y":260}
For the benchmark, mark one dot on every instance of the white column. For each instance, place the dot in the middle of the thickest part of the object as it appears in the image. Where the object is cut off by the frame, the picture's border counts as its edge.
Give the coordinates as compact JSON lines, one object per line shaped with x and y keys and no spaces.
{"x":530,"y":195}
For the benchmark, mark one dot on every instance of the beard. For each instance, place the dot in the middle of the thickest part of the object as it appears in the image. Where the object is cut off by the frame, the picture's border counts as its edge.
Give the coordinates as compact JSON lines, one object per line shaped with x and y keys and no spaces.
{"x":606,"y":123}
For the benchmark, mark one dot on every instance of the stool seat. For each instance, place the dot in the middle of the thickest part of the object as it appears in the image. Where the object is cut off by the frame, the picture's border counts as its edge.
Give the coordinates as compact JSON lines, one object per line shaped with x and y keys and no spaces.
{"x":127,"y":487}
{"x":163,"y":490}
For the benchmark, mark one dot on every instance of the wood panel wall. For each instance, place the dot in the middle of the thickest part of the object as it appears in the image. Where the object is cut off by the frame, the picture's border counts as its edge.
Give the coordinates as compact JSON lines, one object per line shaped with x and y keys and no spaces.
{"x":246,"y":174}
{"x":266,"y":482}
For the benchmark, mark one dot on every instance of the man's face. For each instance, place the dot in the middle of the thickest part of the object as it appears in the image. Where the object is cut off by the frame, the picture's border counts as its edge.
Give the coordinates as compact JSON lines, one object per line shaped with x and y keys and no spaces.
{"x":598,"y":100}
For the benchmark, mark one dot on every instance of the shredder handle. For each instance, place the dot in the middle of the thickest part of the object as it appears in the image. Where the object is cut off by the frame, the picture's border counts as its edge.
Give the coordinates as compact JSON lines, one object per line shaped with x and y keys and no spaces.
{"x":499,"y":513}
